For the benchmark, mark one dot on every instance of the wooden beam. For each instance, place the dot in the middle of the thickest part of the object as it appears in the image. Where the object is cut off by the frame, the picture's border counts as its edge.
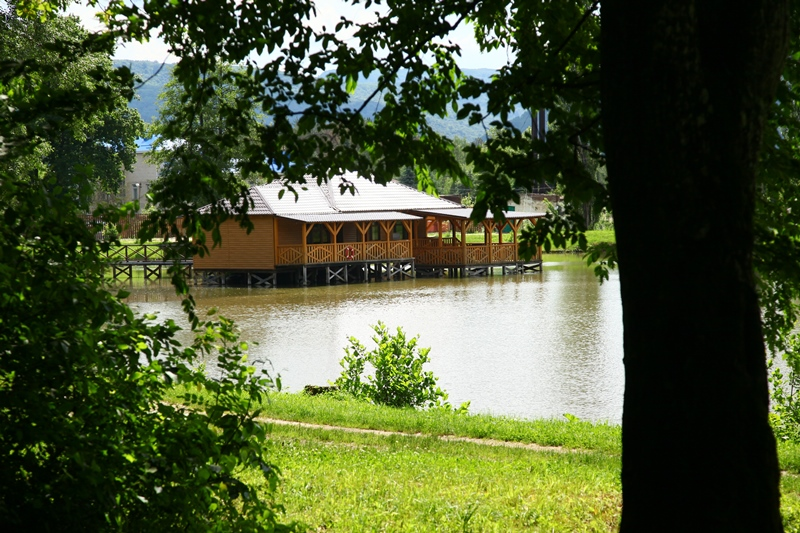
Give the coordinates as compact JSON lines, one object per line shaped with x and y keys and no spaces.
{"x":407,"y":225}
{"x":487,"y":232}
{"x":363,"y":228}
{"x":333,"y":228}
{"x":387,"y":226}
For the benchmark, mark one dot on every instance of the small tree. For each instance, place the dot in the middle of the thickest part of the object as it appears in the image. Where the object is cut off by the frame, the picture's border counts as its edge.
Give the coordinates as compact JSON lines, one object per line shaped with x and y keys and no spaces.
{"x":399,"y":380}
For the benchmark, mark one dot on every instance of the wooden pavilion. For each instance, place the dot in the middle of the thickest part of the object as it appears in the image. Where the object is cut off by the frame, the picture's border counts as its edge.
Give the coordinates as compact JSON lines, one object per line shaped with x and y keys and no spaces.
{"x":328,"y":234}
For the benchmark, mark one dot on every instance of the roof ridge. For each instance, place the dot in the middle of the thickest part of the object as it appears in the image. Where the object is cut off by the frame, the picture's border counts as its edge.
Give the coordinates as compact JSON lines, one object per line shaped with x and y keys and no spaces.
{"x":329,"y":196}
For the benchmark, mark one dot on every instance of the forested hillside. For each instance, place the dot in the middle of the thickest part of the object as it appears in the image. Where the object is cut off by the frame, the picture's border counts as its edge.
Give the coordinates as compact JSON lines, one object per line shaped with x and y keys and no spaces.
{"x":154,"y":75}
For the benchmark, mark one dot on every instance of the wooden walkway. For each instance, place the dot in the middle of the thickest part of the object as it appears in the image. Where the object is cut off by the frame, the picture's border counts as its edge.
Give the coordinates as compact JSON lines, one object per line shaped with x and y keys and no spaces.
{"x":155,"y":259}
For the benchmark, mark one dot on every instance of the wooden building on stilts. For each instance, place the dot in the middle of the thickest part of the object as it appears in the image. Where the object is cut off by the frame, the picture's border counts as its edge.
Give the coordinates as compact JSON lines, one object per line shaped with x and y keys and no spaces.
{"x":329,"y":233}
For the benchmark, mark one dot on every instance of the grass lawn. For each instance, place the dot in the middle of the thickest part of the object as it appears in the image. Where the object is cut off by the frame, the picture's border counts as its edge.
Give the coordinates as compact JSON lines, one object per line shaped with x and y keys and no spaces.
{"x":592,"y":237}
{"x":426,"y":480}
{"x":336,"y":481}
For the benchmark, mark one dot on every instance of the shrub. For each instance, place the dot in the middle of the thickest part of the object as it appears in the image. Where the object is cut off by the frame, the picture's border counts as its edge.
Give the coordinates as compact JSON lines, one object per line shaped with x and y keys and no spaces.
{"x":90,"y":444}
{"x":785,"y":415}
{"x":399,"y":379}
{"x":110,"y":232}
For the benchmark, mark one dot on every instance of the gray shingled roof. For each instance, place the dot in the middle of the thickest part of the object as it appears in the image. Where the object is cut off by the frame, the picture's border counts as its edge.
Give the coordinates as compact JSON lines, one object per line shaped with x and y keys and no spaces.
{"x":368,"y":201}
{"x":466,"y":212}
{"x":310,"y":198}
{"x":372,"y":216}
{"x":367,"y":196}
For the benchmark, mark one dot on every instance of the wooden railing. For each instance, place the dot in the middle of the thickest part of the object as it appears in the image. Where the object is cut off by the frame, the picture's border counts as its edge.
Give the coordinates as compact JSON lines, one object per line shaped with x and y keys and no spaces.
{"x":143,"y":253}
{"x":130,"y":225}
{"x":472,"y":254}
{"x":290,"y":255}
{"x":344,"y":252}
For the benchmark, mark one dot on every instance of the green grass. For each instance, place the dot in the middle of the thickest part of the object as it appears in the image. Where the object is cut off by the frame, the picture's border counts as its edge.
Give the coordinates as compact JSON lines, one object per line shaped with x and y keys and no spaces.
{"x":337,"y":480}
{"x":342,"y":411}
{"x":592,"y":237}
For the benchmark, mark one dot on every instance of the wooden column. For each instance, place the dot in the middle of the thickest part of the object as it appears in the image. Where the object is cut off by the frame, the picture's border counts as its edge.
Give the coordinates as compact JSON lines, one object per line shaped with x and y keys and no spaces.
{"x":408,"y":225}
{"x":306,"y":230}
{"x":487,"y":238}
{"x":363,"y":228}
{"x":515,"y":225}
{"x":275,"y":241}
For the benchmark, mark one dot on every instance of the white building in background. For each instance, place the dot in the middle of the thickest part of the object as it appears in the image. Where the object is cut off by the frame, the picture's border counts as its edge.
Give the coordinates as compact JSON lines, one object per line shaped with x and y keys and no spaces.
{"x":137,"y":181}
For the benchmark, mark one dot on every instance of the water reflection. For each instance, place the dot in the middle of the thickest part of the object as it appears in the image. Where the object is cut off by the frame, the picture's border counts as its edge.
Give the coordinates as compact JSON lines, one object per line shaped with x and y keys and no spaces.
{"x":531,"y":346}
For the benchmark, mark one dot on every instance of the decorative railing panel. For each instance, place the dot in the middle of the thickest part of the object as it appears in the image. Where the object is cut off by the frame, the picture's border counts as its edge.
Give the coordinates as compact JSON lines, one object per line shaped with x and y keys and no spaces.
{"x":400,"y":249}
{"x":375,"y":251}
{"x":322,"y":253}
{"x":504,"y":253}
{"x":425,"y":256}
{"x":344,"y":252}
{"x":477,"y":255}
{"x":444,"y":256}
{"x":290,"y":255}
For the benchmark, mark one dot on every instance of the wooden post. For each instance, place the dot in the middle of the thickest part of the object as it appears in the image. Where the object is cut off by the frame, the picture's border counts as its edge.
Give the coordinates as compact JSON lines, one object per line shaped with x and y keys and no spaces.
{"x":464,"y":242}
{"x":408,"y":226}
{"x":306,"y":230}
{"x":275,"y":234}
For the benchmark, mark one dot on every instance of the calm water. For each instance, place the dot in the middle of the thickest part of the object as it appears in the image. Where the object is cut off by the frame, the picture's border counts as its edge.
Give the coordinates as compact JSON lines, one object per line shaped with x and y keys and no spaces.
{"x":532,"y":346}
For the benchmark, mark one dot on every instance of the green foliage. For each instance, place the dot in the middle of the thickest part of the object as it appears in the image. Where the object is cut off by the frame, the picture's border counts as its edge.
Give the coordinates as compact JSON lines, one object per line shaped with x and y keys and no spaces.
{"x":89,"y":152}
{"x":110,"y":232}
{"x":89,"y":442}
{"x":605,"y":221}
{"x":399,"y":379}
{"x":184,"y":138}
{"x":785,"y":405}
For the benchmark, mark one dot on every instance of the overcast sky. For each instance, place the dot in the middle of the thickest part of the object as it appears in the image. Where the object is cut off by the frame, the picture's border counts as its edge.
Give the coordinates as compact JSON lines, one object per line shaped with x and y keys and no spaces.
{"x":328,"y":13}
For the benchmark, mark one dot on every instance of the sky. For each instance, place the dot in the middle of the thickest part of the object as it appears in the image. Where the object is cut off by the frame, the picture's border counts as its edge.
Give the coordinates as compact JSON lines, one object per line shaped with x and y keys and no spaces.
{"x":328,"y":13}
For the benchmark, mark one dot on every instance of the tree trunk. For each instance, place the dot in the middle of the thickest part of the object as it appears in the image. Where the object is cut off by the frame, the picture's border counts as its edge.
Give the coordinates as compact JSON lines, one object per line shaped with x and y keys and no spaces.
{"x":686,"y":89}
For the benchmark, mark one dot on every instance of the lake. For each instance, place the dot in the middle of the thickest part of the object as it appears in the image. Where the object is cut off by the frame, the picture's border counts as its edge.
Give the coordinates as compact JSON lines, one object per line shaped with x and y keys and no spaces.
{"x":531,"y":346}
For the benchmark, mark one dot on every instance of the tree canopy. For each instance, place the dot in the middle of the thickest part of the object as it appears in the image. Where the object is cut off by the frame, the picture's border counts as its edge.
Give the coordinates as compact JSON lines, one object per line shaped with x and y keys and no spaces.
{"x":90,"y":153}
{"x":691,"y":93}
{"x":173,"y":149}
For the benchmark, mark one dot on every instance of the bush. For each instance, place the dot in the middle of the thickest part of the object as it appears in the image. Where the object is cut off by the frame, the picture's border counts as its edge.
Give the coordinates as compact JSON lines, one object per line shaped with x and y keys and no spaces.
{"x":785,"y":405}
{"x":90,"y":444}
{"x":110,"y":232}
{"x":399,"y":380}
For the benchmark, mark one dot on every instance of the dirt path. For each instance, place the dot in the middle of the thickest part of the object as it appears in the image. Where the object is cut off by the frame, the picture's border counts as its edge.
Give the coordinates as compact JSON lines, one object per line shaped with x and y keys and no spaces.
{"x":446,"y":438}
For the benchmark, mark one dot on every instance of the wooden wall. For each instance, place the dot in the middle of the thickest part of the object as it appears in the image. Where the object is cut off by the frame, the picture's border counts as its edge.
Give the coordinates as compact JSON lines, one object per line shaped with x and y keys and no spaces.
{"x":350,"y":233}
{"x":290,"y":232}
{"x":240,"y":250}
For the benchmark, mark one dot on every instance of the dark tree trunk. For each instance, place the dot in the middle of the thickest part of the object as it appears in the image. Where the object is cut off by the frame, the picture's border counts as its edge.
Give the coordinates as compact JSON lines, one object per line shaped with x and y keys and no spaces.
{"x":686,"y":89}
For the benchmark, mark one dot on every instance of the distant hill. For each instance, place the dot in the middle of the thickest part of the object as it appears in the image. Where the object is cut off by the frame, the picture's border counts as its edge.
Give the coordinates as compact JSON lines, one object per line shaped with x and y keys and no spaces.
{"x":154,"y":76}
